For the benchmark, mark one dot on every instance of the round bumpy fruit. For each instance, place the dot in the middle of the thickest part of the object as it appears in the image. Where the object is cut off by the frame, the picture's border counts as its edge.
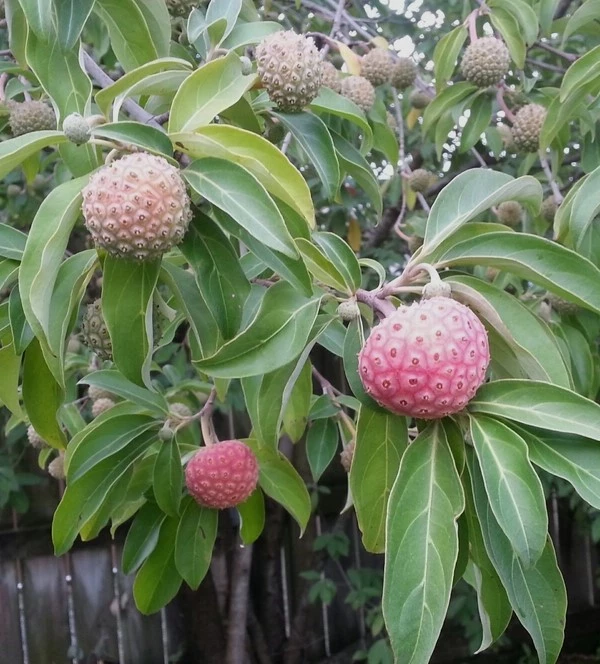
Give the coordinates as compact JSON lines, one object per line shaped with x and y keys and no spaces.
{"x":510,"y":213}
{"x":95,"y":332}
{"x":289,"y":66}
{"x":330,"y":76}
{"x":34,"y":438}
{"x":346,"y":456}
{"x":137,"y":207}
{"x":425,"y":360}
{"x":95,"y":393}
{"x":527,"y":127}
{"x":404,"y":73}
{"x":76,"y":129}
{"x":549,"y":208}
{"x":420,"y":180}
{"x":419,"y":99}
{"x":562,"y":306}
{"x":358,"y":90}
{"x":101,"y":406}
{"x":30,"y":116}
{"x":377,"y":66}
{"x":506,"y":136}
{"x":56,"y":467}
{"x":222,"y":475}
{"x":486,"y":62}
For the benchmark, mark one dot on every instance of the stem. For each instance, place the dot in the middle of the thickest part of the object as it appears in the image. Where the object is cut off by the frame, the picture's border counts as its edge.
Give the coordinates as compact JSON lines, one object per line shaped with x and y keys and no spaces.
{"x":26,"y":94}
{"x":3,"y":80}
{"x":332,"y":392}
{"x":479,"y":158}
{"x":207,"y":426}
{"x":558,"y":197}
{"x":472,"y":25}
{"x":103,"y":80}
{"x":376,"y":301}
{"x":570,"y":57}
{"x":500,"y":99}
{"x":238,"y":605}
{"x":423,"y":202}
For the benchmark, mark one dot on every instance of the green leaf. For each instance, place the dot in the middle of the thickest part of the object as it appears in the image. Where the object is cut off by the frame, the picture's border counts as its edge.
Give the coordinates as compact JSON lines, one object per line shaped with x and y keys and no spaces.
{"x":42,"y":396}
{"x":212,"y":88}
{"x":320,"y":266}
{"x":20,"y":330}
{"x":295,"y":414}
{"x":121,"y":88}
{"x":223,"y":9}
{"x":158,"y":580}
{"x":268,"y":164}
{"x":142,"y":537}
{"x":445,"y":55}
{"x":132,"y":48}
{"x":71,"y":92}
{"x":353,"y":342}
{"x":314,"y":138}
{"x":16,"y":150}
{"x":195,"y":540}
{"x":281,"y":482}
{"x":39,"y":15}
{"x":583,"y":209}
{"x":168,"y":478}
{"x":277,"y":334}
{"x":533,"y":343}
{"x":444,"y":102}
{"x":44,"y":251}
{"x":385,"y":139}
{"x":495,"y":610}
{"x":321,"y":445}
{"x":542,"y":261}
{"x":573,"y":458}
{"x":523,"y":14}
{"x":583,"y":74}
{"x":104,"y":438}
{"x":479,"y":119}
{"x":471,"y":193}
{"x":329,"y":101}
{"x":506,"y":24}
{"x":218,"y":273}
{"x":84,"y":497}
{"x":127,"y":309}
{"x":114,"y":382}
{"x":354,"y":164}
{"x":340,"y":253}
{"x":12,"y":241}
{"x":514,"y":490}
{"x":10,"y":369}
{"x":422,"y":545}
{"x":587,"y":13}
{"x":540,"y":405}
{"x":237,"y":192}
{"x":206,"y":336}
{"x":244,"y":34}
{"x":71,"y":16}
{"x":147,"y":138}
{"x":546,"y":10}
{"x":537,"y":594}
{"x":252,"y":517}
{"x":291,"y":269}
{"x":381,"y":439}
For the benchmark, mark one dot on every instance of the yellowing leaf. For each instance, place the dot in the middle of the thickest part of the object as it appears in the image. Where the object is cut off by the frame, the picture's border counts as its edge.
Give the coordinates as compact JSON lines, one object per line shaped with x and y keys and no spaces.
{"x":354,"y":234}
{"x":413,"y":117}
{"x":350,"y":58}
{"x":381,"y":42}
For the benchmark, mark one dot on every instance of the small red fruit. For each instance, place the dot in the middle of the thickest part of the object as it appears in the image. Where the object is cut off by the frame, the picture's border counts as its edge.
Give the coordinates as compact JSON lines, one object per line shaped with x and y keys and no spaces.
{"x":222,"y":475}
{"x":425,"y":360}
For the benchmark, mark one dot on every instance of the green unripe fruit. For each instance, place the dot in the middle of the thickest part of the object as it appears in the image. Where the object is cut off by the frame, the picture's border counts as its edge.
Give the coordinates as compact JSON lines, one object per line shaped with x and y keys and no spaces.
{"x":549,"y":208}
{"x":30,"y":116}
{"x":246,"y":65}
{"x":358,"y":90}
{"x":510,"y":213}
{"x":404,"y":73}
{"x":563,"y":307}
{"x":348,"y":310}
{"x":330,"y":76}
{"x":485,"y":62}
{"x":289,"y":67}
{"x":377,"y":66}
{"x":76,"y":129}
{"x":527,"y":127}
{"x":95,"y":332}
{"x":419,"y":99}
{"x":420,"y":180}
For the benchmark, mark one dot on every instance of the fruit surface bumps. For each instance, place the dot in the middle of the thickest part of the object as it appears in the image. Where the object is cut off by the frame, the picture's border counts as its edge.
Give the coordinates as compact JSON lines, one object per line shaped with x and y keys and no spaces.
{"x":404,"y":73}
{"x":95,"y":332}
{"x":137,"y":207}
{"x":425,"y":360}
{"x":510,"y":213}
{"x":330,"y":76}
{"x":222,"y":475}
{"x":527,"y":127}
{"x":30,"y":116}
{"x":358,"y":90}
{"x":289,"y":67}
{"x":420,"y":180}
{"x":101,"y":406}
{"x":486,"y":62}
{"x":377,"y":66}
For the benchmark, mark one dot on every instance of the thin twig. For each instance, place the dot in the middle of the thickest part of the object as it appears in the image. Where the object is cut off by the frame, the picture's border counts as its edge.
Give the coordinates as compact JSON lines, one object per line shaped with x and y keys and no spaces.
{"x":500,"y":98}
{"x":570,"y":57}
{"x":479,"y":158}
{"x":103,"y":80}
{"x":544,"y":65}
{"x":558,"y":197}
